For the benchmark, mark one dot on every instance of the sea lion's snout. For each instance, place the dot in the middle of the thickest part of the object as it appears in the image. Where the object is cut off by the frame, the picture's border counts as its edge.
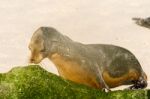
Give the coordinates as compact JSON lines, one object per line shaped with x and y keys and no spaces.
{"x":37,"y":49}
{"x":35,"y":60}
{"x":31,"y":60}
{"x":36,"y":57}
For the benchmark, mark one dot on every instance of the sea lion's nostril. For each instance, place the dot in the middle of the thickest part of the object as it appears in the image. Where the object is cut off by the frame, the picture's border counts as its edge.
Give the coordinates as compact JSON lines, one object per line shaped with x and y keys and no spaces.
{"x":31,"y":60}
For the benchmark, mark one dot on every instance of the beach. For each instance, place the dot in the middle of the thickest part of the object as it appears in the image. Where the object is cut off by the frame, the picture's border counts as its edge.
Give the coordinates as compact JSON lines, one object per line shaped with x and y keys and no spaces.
{"x":85,"y":21}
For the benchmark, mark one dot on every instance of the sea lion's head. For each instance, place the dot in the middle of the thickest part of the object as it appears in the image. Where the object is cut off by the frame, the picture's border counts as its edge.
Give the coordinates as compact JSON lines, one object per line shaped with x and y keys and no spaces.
{"x":38,"y":46}
{"x":44,"y":42}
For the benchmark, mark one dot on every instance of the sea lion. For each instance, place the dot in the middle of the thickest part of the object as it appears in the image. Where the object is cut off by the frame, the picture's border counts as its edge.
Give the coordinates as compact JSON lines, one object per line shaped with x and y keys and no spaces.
{"x":96,"y":65}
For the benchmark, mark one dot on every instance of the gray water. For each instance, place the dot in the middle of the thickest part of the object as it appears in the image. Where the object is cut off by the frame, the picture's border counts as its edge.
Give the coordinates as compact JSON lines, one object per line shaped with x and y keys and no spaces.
{"x":86,"y":21}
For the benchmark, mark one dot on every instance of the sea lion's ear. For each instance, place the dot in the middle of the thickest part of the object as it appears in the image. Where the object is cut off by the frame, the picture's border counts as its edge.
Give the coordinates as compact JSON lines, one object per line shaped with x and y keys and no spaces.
{"x":41,"y":43}
{"x":54,"y":40}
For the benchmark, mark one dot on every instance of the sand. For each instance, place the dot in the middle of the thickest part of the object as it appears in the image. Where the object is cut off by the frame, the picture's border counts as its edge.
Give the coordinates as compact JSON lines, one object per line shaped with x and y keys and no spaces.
{"x":86,"y":21}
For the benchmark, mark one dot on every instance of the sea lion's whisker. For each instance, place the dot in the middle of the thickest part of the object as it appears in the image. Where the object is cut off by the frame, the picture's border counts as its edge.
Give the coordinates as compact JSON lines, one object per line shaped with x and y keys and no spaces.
{"x":41,"y":64}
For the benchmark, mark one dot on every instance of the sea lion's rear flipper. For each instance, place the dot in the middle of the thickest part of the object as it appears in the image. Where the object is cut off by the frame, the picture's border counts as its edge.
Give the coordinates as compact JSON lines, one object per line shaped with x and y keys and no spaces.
{"x":141,"y":83}
{"x":144,"y":22}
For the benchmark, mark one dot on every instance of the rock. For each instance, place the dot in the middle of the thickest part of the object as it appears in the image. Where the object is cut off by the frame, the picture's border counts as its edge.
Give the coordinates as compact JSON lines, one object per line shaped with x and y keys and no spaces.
{"x":144,"y":22}
{"x":33,"y":82}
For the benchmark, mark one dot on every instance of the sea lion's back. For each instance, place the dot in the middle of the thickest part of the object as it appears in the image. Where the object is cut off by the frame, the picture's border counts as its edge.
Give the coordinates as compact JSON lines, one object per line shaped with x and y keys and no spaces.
{"x":116,"y":58}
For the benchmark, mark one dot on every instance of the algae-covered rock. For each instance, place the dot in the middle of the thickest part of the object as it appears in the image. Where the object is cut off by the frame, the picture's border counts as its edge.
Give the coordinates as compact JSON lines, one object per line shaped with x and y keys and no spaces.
{"x":33,"y":82}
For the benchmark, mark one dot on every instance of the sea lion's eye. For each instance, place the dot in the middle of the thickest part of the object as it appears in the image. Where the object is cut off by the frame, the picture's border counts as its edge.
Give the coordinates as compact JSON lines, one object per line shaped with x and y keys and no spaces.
{"x":29,"y":47}
{"x":43,"y":50}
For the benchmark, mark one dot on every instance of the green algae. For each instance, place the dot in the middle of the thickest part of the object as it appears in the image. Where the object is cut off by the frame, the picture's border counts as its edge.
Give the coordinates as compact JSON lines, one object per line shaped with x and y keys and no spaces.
{"x":33,"y":82}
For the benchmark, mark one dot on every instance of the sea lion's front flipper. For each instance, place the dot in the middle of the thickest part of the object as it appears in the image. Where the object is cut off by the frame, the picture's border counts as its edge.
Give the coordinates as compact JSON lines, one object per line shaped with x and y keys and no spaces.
{"x":101,"y":79}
